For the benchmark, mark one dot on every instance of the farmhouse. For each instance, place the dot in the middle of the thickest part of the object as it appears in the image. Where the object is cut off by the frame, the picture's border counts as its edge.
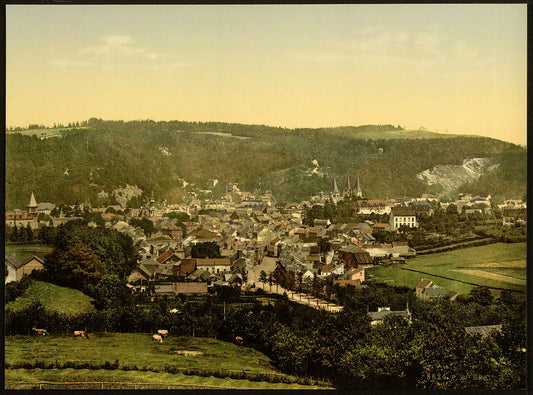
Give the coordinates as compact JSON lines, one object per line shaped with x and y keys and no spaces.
{"x":34,"y":263}
{"x":428,"y":290}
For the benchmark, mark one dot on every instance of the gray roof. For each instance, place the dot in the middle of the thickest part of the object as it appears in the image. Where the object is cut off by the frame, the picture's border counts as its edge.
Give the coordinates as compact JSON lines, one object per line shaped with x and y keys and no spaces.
{"x":483,"y":330}
{"x":14,"y":261}
{"x":166,"y":288}
{"x":380,"y":315}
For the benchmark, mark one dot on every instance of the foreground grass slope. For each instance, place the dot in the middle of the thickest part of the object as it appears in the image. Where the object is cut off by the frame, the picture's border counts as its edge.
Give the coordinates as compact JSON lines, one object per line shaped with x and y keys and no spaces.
{"x":137,"y":349}
{"x":141,"y":357}
{"x":54,"y":298}
{"x":23,"y":379}
{"x":495,"y":265}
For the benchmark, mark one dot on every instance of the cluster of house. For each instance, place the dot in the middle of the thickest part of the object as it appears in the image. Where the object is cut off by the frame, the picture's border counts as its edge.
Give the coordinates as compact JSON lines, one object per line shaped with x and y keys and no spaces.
{"x":249,"y":226}
{"x":470,"y":203}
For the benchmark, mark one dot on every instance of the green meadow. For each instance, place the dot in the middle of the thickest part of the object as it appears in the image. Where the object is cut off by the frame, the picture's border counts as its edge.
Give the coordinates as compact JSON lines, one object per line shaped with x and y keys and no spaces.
{"x":54,"y":298}
{"x":137,"y":358}
{"x":496,"y":265}
{"x":26,"y":251}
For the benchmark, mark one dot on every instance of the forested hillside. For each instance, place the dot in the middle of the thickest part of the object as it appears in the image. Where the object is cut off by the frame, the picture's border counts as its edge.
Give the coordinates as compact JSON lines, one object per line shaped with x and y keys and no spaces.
{"x":106,"y":155}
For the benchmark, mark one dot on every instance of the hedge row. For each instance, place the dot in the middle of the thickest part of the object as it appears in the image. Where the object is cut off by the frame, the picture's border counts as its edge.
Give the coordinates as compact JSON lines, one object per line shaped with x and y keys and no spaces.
{"x":236,"y":375}
{"x":452,"y":247}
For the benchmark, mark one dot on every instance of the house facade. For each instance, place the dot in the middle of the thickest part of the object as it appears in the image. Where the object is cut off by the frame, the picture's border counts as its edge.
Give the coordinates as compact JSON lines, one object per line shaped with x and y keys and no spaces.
{"x":402,"y":216}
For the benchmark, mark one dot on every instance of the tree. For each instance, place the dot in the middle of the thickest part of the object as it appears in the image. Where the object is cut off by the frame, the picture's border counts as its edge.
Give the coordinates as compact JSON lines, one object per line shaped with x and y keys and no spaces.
{"x":29,"y":233}
{"x":110,"y":291}
{"x":263,"y":277}
{"x":76,"y":266}
{"x":208,"y":249}
{"x":481,"y":295}
{"x":15,"y":234}
{"x":324,"y":245}
{"x":145,"y":224}
{"x":452,"y":209}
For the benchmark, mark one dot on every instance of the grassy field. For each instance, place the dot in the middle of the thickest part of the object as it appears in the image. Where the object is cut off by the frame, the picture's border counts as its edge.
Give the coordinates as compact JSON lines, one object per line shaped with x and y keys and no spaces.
{"x":26,"y":251}
{"x":22,"y":379}
{"x":496,"y":265}
{"x":54,"y":298}
{"x":43,"y":133}
{"x":135,"y":352}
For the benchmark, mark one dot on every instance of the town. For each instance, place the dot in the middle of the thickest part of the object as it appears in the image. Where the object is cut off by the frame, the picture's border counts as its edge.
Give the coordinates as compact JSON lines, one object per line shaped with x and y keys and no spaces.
{"x":249,"y":241}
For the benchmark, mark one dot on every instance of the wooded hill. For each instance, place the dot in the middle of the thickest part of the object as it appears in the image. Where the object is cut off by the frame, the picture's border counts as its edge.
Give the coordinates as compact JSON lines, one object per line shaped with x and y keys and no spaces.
{"x":105,"y":155}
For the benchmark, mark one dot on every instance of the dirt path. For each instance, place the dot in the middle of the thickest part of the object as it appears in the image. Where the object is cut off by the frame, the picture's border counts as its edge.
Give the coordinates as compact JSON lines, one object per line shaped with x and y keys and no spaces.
{"x":519,"y":263}
{"x":302,"y":298}
{"x":492,"y":276}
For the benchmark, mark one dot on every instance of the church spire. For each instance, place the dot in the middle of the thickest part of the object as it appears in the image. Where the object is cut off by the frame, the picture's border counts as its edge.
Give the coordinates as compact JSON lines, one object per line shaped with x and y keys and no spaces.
{"x":357,"y":188}
{"x":334,"y":190}
{"x":32,"y":205}
{"x":347,"y":187}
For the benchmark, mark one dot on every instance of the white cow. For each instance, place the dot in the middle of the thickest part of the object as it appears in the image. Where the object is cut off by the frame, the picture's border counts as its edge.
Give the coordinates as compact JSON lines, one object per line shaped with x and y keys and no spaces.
{"x":158,"y":338}
{"x":163,"y":332}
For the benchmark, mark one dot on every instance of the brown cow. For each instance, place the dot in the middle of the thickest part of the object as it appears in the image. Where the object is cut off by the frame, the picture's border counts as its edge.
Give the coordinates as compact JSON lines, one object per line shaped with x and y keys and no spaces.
{"x":81,"y":334}
{"x":158,"y":338}
{"x":239,"y":340}
{"x":163,"y":332}
{"x":40,"y":331}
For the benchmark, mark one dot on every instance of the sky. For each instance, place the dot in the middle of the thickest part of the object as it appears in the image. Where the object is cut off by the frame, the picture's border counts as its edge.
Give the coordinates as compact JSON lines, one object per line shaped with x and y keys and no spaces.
{"x":449,"y":68}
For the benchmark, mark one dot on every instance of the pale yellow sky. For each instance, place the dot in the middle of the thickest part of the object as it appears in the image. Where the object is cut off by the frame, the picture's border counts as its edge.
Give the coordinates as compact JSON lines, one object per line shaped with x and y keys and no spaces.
{"x":456,"y":68}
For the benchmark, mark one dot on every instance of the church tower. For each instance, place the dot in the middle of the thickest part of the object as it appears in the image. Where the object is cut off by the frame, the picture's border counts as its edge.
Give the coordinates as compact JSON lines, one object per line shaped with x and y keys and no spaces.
{"x":334,"y":190}
{"x":357,"y":188}
{"x":31,"y":207}
{"x":347,"y":187}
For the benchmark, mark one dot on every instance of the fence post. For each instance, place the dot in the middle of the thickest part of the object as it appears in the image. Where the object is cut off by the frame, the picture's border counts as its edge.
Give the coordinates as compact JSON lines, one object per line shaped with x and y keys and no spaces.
{"x":102,"y":385}
{"x":40,"y":386}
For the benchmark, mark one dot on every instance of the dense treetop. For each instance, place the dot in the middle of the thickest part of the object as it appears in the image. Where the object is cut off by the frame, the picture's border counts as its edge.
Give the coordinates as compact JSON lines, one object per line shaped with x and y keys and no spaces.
{"x":104,"y":155}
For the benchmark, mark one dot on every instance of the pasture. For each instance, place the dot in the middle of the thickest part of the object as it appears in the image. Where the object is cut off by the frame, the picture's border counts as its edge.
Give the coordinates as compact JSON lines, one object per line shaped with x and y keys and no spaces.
{"x":26,"y":251}
{"x":54,"y":298}
{"x":496,"y":265}
{"x":137,"y":358}
{"x":23,"y":379}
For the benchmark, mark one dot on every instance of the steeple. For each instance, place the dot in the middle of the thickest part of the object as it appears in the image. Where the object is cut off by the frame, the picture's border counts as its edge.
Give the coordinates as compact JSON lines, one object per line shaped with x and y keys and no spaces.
{"x":357,"y":188}
{"x":31,"y":208}
{"x":334,"y":190}
{"x":347,"y":187}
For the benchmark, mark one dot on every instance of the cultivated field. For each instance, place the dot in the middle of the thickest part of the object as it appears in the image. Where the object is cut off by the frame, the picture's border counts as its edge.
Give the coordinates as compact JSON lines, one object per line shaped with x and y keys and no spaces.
{"x":496,"y":265}
{"x":134,"y":357}
{"x":54,"y":298}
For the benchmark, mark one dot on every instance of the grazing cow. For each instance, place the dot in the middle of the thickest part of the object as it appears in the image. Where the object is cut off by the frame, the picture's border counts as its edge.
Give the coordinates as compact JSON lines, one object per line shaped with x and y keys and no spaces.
{"x":163,"y":332}
{"x":239,"y":340}
{"x":81,"y":334}
{"x":40,"y":331}
{"x":158,"y":338}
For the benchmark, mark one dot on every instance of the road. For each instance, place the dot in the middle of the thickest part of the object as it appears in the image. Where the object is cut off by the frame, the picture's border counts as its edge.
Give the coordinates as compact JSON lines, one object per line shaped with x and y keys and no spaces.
{"x":268,"y":264}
